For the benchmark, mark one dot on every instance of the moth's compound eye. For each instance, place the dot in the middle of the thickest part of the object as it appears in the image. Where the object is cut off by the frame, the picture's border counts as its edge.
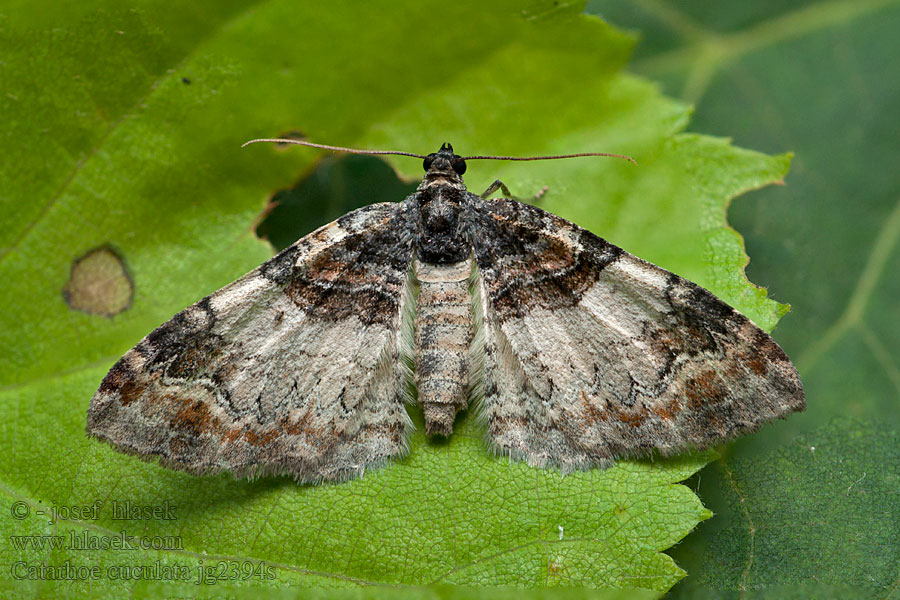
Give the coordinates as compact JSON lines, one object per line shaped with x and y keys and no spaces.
{"x":459,"y":166}
{"x":428,"y":160}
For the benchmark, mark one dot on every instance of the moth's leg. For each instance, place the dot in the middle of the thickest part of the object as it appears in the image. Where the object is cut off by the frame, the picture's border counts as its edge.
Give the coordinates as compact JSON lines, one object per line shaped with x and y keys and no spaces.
{"x":499,"y":185}
{"x":536,"y":199}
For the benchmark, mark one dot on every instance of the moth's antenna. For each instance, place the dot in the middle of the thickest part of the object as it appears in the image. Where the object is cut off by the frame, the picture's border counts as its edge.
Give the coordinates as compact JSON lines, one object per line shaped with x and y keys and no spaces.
{"x":553,"y":157}
{"x":399,"y":153}
{"x":335,"y":148}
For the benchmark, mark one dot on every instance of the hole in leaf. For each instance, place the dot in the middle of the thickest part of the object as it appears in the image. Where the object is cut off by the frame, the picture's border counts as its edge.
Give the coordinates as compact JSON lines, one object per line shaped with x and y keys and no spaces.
{"x":338,"y":185}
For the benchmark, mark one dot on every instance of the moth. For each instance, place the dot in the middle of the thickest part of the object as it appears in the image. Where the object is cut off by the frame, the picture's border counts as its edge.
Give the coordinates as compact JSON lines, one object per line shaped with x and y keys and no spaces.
{"x":576,"y":352}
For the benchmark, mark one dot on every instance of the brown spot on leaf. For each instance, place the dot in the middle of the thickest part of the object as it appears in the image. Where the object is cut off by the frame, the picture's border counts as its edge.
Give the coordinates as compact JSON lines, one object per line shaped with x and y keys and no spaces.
{"x":99,"y":284}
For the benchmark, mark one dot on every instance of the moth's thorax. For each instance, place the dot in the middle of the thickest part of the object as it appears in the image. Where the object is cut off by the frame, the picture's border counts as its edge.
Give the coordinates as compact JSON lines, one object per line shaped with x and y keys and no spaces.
{"x":441,"y":237}
{"x":435,"y":178}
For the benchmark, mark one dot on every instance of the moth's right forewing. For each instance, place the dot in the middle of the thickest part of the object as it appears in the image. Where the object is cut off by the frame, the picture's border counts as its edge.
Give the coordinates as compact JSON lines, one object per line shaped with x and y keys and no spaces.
{"x":294,"y":368}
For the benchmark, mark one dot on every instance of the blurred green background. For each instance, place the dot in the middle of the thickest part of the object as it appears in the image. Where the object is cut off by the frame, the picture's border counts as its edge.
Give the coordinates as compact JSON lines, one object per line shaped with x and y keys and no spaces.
{"x":128,"y":118}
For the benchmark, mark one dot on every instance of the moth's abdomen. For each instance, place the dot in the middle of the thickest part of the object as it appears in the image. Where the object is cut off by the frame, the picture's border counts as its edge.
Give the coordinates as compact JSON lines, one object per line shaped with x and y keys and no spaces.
{"x":444,"y":330}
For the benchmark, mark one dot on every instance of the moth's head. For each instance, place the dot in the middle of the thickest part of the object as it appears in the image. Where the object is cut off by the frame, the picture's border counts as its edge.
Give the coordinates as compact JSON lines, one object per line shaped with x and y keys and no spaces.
{"x":444,"y":162}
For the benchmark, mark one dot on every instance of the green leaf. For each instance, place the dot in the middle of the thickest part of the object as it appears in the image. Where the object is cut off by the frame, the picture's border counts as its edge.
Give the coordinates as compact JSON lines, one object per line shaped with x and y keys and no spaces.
{"x":818,"y":78}
{"x":125,"y":126}
{"x":842,"y":531}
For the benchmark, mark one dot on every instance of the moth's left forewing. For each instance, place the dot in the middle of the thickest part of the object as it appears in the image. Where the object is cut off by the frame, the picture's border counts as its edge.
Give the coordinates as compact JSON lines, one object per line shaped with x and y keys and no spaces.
{"x":592,"y":354}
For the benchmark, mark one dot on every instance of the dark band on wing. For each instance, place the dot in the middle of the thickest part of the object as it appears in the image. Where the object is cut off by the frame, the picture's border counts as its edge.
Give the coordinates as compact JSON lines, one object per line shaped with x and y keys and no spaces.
{"x":362,"y":275}
{"x":528,"y":261}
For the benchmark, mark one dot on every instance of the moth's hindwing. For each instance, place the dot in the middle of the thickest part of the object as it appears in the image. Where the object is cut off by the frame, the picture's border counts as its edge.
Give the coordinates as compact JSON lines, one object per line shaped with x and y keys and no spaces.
{"x":294,"y":368}
{"x":591,"y":354}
